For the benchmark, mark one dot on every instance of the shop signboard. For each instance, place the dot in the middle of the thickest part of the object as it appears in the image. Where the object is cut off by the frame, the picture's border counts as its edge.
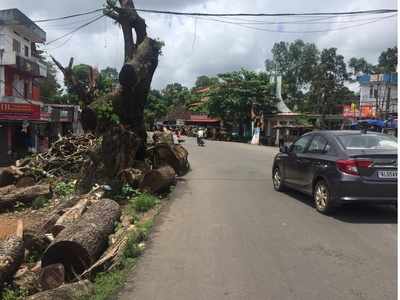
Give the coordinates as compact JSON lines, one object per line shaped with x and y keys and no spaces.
{"x":19,"y":111}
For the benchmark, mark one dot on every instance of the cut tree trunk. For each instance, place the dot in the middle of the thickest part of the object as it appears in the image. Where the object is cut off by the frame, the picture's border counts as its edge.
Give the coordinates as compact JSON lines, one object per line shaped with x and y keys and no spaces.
{"x":174,"y":155}
{"x":72,"y":291}
{"x":52,"y":276}
{"x":35,"y":241}
{"x":25,"y":195}
{"x":25,"y":181}
{"x":9,"y":175}
{"x":27,"y":280}
{"x":158,"y":180}
{"x":71,"y":215}
{"x":11,"y":254}
{"x":79,"y":245}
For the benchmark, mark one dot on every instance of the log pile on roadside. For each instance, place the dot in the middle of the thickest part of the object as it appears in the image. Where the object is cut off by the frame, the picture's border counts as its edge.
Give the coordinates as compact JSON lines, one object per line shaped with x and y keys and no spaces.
{"x":78,"y":238}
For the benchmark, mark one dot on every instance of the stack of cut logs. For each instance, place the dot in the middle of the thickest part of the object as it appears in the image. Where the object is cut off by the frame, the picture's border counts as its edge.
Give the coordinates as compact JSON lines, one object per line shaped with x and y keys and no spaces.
{"x":77,"y":239}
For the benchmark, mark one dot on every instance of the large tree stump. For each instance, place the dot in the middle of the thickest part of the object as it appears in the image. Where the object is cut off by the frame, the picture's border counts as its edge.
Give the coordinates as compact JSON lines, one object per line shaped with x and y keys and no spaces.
{"x":79,"y":245}
{"x":72,"y":291}
{"x":11,"y":253}
{"x":158,"y":180}
{"x":10,"y":195}
{"x":174,"y":155}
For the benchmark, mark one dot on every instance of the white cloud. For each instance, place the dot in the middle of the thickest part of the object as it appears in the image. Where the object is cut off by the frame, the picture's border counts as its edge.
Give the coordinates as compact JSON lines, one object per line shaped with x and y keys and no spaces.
{"x":217,"y":47}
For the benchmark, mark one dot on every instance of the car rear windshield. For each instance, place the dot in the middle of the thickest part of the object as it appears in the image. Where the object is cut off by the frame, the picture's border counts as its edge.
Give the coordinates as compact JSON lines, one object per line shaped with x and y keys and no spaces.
{"x":368,"y":141}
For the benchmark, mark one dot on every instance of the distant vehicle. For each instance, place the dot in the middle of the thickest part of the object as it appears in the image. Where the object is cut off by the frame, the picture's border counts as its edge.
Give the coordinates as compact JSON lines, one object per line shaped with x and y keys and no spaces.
{"x":336,"y":167}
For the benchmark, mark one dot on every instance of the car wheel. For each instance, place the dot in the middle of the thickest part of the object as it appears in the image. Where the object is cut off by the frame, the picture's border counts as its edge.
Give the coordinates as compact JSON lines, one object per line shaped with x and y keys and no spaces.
{"x":322,"y":200}
{"x":277,"y":180}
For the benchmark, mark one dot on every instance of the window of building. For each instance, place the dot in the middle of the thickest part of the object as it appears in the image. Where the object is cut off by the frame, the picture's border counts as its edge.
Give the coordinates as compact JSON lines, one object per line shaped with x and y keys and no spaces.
{"x":26,"y":51}
{"x":16,"y":46}
{"x":371,"y":92}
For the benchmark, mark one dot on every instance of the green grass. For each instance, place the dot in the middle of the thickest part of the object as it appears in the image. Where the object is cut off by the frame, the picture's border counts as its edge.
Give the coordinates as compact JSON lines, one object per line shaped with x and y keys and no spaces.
{"x":64,"y":189}
{"x":145,"y":202}
{"x":40,"y":202}
{"x":13,"y":294}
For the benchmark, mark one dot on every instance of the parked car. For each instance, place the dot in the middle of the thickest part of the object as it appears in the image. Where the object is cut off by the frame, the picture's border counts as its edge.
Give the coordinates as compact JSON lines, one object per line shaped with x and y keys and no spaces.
{"x":336,"y":167}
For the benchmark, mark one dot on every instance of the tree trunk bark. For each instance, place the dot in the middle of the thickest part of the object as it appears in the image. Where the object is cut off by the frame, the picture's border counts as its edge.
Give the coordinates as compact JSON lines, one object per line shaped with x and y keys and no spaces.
{"x":79,"y":245}
{"x":174,"y":155}
{"x":11,"y":254}
{"x":24,"y":194}
{"x":72,"y":291}
{"x":158,"y":180}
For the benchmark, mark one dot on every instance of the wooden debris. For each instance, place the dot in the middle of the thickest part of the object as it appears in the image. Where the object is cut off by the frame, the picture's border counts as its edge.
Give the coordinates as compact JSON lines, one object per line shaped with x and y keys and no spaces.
{"x":25,"y":181}
{"x":174,"y":155}
{"x":9,"y":175}
{"x":71,"y":215}
{"x":72,"y":291}
{"x":52,"y":276}
{"x":10,"y":195}
{"x":80,"y":244}
{"x":11,"y":254}
{"x":158,"y":180}
{"x":27,"y":280}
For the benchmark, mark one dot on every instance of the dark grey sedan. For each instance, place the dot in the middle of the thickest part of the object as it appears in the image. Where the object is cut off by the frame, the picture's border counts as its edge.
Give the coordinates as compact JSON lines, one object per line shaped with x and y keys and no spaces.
{"x":337,"y":167}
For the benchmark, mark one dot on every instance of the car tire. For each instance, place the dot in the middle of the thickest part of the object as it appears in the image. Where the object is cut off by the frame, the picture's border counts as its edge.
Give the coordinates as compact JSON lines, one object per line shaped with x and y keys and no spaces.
{"x":322,"y":198}
{"x":277,"y":180}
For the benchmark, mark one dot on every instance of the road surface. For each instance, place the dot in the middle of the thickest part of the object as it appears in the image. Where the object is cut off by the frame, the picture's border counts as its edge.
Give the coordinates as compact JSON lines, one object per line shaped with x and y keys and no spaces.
{"x":228,"y":235}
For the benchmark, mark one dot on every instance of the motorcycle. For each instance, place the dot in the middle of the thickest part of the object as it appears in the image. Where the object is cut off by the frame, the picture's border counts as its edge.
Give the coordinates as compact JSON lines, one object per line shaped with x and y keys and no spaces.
{"x":200,"y":142}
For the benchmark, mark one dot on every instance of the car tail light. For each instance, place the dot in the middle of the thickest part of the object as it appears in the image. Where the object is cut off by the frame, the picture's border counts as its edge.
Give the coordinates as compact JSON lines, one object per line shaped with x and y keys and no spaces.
{"x":351,"y":166}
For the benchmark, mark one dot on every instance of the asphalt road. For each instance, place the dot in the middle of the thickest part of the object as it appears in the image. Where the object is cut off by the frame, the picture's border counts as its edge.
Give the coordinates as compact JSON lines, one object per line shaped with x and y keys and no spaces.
{"x":228,"y":235}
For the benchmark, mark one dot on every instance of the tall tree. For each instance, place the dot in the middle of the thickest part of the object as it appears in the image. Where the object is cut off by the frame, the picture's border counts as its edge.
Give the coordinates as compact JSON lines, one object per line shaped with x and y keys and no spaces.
{"x":388,"y":61}
{"x":155,"y":108}
{"x":296,"y":62}
{"x":327,"y":85}
{"x":50,"y":89}
{"x":360,"y":65}
{"x":175,"y":94}
{"x":236,"y":93}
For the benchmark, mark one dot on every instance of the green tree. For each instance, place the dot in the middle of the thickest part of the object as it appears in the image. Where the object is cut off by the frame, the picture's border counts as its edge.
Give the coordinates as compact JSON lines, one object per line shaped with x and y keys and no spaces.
{"x":50,"y":89}
{"x":360,"y":65}
{"x":155,"y":107}
{"x":296,"y":62}
{"x":387,"y":61}
{"x":205,"y":81}
{"x":233,"y":97}
{"x":327,"y":86}
{"x":175,"y":94}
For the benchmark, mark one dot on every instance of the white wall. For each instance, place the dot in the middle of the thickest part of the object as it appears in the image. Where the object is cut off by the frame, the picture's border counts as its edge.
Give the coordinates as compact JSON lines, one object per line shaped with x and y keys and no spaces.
{"x":7,"y":35}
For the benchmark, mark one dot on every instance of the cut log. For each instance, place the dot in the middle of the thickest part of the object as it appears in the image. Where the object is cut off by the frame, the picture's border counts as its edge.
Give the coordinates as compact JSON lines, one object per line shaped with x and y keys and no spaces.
{"x":72,"y":291}
{"x":11,"y":254}
{"x":52,"y":276}
{"x":35,"y":241}
{"x":79,"y":245}
{"x":131,"y":176}
{"x":71,"y":215}
{"x":25,"y":181}
{"x":9,"y":175}
{"x":27,"y":280}
{"x":62,"y":207}
{"x":158,"y":180}
{"x":24,"y":195}
{"x":174,"y":155}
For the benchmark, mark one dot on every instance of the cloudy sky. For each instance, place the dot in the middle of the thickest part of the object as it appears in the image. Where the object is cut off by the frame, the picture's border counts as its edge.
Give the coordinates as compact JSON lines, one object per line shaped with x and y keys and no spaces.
{"x":195,"y":47}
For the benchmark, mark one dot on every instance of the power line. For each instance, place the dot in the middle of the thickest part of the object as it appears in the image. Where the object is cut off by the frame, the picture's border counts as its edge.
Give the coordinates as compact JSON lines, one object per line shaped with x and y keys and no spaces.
{"x":69,"y":16}
{"x":75,"y":30}
{"x":305,"y":31}
{"x":360,"y":12}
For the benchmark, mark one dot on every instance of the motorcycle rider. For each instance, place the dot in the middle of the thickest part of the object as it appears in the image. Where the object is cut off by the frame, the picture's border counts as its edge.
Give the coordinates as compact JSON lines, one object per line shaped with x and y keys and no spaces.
{"x":200,"y":136}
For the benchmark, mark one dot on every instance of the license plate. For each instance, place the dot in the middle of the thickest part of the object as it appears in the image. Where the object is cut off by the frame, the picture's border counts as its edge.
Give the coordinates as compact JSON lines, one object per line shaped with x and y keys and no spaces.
{"x":387,"y":174}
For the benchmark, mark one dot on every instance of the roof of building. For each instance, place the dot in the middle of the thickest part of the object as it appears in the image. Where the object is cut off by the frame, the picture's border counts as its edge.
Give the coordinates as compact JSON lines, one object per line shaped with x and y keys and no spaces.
{"x":17,"y":19}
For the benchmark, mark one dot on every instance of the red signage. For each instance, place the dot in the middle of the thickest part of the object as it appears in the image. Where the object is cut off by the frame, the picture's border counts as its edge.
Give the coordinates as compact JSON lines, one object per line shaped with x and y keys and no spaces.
{"x":19,"y":111}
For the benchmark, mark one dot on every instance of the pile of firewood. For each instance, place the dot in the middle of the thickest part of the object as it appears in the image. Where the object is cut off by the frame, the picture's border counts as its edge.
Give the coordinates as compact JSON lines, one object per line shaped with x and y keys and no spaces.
{"x":65,"y":157}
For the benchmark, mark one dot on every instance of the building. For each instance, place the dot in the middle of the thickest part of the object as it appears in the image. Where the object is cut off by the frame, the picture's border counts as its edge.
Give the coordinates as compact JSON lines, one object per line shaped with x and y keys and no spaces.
{"x":378,"y":95}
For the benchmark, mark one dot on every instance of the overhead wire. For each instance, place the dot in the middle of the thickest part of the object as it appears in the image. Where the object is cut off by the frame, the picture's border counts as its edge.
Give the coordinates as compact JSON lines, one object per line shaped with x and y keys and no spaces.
{"x":69,"y":16}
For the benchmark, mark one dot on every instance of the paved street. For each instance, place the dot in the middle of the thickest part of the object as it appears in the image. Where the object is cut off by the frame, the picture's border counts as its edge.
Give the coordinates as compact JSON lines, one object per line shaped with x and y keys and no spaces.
{"x":228,"y":235}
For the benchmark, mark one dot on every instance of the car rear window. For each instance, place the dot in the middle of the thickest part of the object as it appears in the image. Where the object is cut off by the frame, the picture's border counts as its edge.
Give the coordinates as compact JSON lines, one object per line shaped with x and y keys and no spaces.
{"x":368,"y":141}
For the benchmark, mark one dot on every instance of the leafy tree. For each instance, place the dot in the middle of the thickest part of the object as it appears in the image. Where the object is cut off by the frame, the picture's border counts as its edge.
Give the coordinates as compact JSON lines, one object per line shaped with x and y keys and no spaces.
{"x":205,"y":81}
{"x":50,"y":89}
{"x":296,"y":62}
{"x":233,"y":96}
{"x":360,"y":65}
{"x":175,"y":94}
{"x":155,"y":107}
{"x":387,"y":61}
{"x":327,"y":85}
